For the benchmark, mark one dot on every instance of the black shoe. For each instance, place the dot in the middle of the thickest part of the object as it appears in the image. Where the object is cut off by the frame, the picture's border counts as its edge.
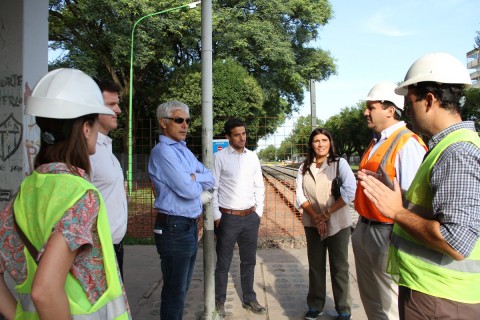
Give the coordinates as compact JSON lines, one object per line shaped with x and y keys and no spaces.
{"x":344,"y":316}
{"x":255,"y":307}
{"x":312,"y":314}
{"x":220,"y":308}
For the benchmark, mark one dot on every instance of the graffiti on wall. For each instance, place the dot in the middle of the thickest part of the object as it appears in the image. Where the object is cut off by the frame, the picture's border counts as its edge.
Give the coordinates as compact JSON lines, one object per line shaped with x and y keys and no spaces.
{"x":11,"y":131}
{"x":11,"y":134}
{"x":11,"y":91}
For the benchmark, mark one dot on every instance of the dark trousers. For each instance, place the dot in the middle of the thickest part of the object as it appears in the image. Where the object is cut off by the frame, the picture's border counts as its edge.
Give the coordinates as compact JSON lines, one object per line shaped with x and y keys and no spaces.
{"x":414,"y":305}
{"x":119,"y":253}
{"x":337,"y":247}
{"x":176,"y":239}
{"x":243,"y":230}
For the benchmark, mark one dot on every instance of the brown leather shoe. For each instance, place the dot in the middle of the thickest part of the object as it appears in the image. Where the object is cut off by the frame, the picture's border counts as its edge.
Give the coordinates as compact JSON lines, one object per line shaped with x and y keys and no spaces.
{"x":255,"y":307}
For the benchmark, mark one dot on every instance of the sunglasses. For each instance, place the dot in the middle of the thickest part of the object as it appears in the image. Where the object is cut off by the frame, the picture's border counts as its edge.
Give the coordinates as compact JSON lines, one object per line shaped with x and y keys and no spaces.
{"x":180,"y":120}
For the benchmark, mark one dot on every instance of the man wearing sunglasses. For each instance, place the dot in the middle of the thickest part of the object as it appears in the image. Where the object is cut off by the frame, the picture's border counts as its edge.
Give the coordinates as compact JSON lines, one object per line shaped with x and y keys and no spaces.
{"x":179,"y":179}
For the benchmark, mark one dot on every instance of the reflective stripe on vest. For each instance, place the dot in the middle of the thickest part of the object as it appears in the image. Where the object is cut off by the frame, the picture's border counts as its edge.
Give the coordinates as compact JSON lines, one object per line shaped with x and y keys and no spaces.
{"x":420,"y":267}
{"x":111,"y":310}
{"x":432,"y":256}
{"x":388,"y":154}
{"x":385,"y":155}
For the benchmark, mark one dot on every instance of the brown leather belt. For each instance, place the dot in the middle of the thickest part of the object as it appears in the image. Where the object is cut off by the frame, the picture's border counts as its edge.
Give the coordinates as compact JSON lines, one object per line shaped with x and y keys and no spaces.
{"x":241,"y":213}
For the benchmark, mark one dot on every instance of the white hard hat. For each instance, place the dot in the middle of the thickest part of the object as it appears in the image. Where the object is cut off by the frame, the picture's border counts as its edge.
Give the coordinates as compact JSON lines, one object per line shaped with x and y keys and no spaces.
{"x":66,"y":94}
{"x":437,"y":67}
{"x":385,"y":91}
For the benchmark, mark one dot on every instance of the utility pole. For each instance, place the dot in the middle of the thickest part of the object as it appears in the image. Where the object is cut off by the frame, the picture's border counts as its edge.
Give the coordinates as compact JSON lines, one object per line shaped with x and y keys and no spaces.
{"x":207,"y":157}
{"x":313,"y":104}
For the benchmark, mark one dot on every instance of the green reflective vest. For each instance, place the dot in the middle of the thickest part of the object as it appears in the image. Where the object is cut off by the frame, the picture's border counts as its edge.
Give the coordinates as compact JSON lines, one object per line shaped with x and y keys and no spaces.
{"x":41,"y":202}
{"x":420,"y":268}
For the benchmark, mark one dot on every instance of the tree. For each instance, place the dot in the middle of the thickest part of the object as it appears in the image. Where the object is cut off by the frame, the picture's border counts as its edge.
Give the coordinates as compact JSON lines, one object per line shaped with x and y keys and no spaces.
{"x":349,"y":130}
{"x":471,"y":109}
{"x":235,"y":94}
{"x":297,"y":140}
{"x":269,"y":38}
{"x":268,"y":154}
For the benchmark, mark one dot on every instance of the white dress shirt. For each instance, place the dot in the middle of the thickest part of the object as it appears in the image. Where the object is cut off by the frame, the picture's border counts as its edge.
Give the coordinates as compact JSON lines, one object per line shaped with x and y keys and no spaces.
{"x":408,"y":159}
{"x":107,"y":176}
{"x":238,"y":181}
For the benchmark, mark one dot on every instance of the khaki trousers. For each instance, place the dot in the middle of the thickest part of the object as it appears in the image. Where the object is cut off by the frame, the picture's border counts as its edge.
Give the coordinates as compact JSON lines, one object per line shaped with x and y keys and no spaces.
{"x":378,"y":292}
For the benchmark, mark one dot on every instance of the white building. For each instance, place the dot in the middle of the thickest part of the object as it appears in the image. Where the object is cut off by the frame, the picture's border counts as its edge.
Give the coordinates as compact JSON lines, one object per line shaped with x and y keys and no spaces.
{"x":473,"y":62}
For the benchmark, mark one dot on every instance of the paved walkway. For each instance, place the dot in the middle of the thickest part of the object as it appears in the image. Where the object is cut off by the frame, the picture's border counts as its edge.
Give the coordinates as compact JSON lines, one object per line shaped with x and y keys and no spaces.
{"x":281,"y":283}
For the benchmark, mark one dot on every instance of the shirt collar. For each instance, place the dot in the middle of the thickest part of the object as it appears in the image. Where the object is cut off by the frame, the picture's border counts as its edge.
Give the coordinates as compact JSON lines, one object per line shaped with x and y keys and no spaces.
{"x":170,"y":141}
{"x":388,"y":131}
{"x":232,"y":151}
{"x":103,"y":139}
{"x":442,"y":134}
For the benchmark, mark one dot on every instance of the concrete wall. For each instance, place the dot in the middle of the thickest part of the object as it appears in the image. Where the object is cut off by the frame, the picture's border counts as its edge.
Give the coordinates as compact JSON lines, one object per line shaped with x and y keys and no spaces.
{"x":23,"y":58}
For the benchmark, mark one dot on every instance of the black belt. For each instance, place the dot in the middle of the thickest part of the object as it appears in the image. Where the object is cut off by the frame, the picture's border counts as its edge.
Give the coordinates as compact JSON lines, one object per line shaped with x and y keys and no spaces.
{"x":162,"y":218}
{"x":373,"y":222}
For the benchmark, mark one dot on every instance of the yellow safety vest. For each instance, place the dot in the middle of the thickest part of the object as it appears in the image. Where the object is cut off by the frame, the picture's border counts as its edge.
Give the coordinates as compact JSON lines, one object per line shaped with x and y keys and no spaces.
{"x":417,"y":266}
{"x":41,"y":202}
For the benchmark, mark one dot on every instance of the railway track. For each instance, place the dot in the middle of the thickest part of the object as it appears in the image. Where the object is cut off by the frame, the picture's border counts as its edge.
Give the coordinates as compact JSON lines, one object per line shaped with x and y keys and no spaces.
{"x":282,"y":180}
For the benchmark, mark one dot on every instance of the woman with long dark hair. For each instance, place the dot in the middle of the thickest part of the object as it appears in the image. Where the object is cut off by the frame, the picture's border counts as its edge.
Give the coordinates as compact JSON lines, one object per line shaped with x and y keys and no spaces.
{"x":54,"y":235}
{"x":327,"y":220}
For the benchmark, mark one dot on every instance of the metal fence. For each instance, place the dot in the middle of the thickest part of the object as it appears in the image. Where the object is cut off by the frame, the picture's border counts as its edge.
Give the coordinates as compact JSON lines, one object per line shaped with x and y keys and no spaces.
{"x":281,"y":220}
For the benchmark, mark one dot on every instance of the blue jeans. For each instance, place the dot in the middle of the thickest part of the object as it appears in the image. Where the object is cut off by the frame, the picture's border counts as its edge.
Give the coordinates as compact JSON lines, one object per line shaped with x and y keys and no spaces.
{"x":176,"y":239}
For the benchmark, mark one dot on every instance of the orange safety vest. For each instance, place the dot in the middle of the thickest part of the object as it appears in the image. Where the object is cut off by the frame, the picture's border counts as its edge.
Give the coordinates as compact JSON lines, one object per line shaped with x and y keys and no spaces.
{"x":385,"y":155}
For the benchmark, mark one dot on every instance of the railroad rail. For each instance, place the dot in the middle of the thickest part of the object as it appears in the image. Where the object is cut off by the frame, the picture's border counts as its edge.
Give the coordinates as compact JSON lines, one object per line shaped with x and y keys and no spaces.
{"x":282,"y":180}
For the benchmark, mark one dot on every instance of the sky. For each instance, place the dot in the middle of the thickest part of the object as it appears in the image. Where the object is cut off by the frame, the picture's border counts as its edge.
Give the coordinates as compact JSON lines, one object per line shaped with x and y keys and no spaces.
{"x":373,"y":41}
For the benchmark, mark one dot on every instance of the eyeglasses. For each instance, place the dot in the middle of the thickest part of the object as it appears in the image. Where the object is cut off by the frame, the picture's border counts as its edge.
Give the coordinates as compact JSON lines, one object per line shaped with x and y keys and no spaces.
{"x":180,"y":120}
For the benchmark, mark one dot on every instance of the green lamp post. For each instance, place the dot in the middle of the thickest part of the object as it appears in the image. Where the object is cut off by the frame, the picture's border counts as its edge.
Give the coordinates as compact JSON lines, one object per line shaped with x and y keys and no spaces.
{"x":130,"y":92}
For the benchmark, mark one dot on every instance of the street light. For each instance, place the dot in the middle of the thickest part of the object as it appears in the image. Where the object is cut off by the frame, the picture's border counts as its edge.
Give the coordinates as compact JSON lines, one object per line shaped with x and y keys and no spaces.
{"x":130,"y":92}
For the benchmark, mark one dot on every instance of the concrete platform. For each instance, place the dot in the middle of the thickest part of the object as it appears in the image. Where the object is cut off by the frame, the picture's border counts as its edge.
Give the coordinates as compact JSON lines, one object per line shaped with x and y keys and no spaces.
{"x":281,"y":284}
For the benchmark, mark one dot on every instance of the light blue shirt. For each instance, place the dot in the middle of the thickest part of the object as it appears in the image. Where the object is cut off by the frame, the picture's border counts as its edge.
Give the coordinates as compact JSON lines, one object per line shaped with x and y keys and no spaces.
{"x":170,"y":165}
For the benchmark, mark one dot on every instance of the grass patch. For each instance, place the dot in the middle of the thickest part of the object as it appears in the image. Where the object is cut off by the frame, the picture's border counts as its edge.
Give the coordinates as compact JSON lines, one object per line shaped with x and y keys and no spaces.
{"x":138,"y":241}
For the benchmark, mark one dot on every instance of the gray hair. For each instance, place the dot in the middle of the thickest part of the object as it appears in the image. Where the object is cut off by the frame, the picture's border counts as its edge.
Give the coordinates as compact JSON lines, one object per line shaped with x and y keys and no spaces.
{"x":165,"y":109}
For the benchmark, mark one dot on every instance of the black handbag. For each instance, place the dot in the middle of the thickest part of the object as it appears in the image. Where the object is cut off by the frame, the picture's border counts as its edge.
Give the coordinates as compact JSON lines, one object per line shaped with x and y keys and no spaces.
{"x":336,"y":183}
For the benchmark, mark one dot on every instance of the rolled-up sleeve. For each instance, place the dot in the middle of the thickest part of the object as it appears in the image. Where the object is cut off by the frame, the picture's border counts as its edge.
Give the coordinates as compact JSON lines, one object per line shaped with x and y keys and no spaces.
{"x":299,"y":195}
{"x":349,"y":183}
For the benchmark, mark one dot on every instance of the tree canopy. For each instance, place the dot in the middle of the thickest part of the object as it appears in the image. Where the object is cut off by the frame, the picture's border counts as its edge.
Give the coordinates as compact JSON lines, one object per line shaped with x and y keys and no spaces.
{"x":471,"y":109}
{"x":349,"y":130}
{"x":269,"y":39}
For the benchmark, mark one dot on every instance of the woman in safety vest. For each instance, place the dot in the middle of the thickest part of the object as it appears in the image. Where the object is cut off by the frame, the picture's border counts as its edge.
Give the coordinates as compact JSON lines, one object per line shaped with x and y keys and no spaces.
{"x":55,"y":240}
